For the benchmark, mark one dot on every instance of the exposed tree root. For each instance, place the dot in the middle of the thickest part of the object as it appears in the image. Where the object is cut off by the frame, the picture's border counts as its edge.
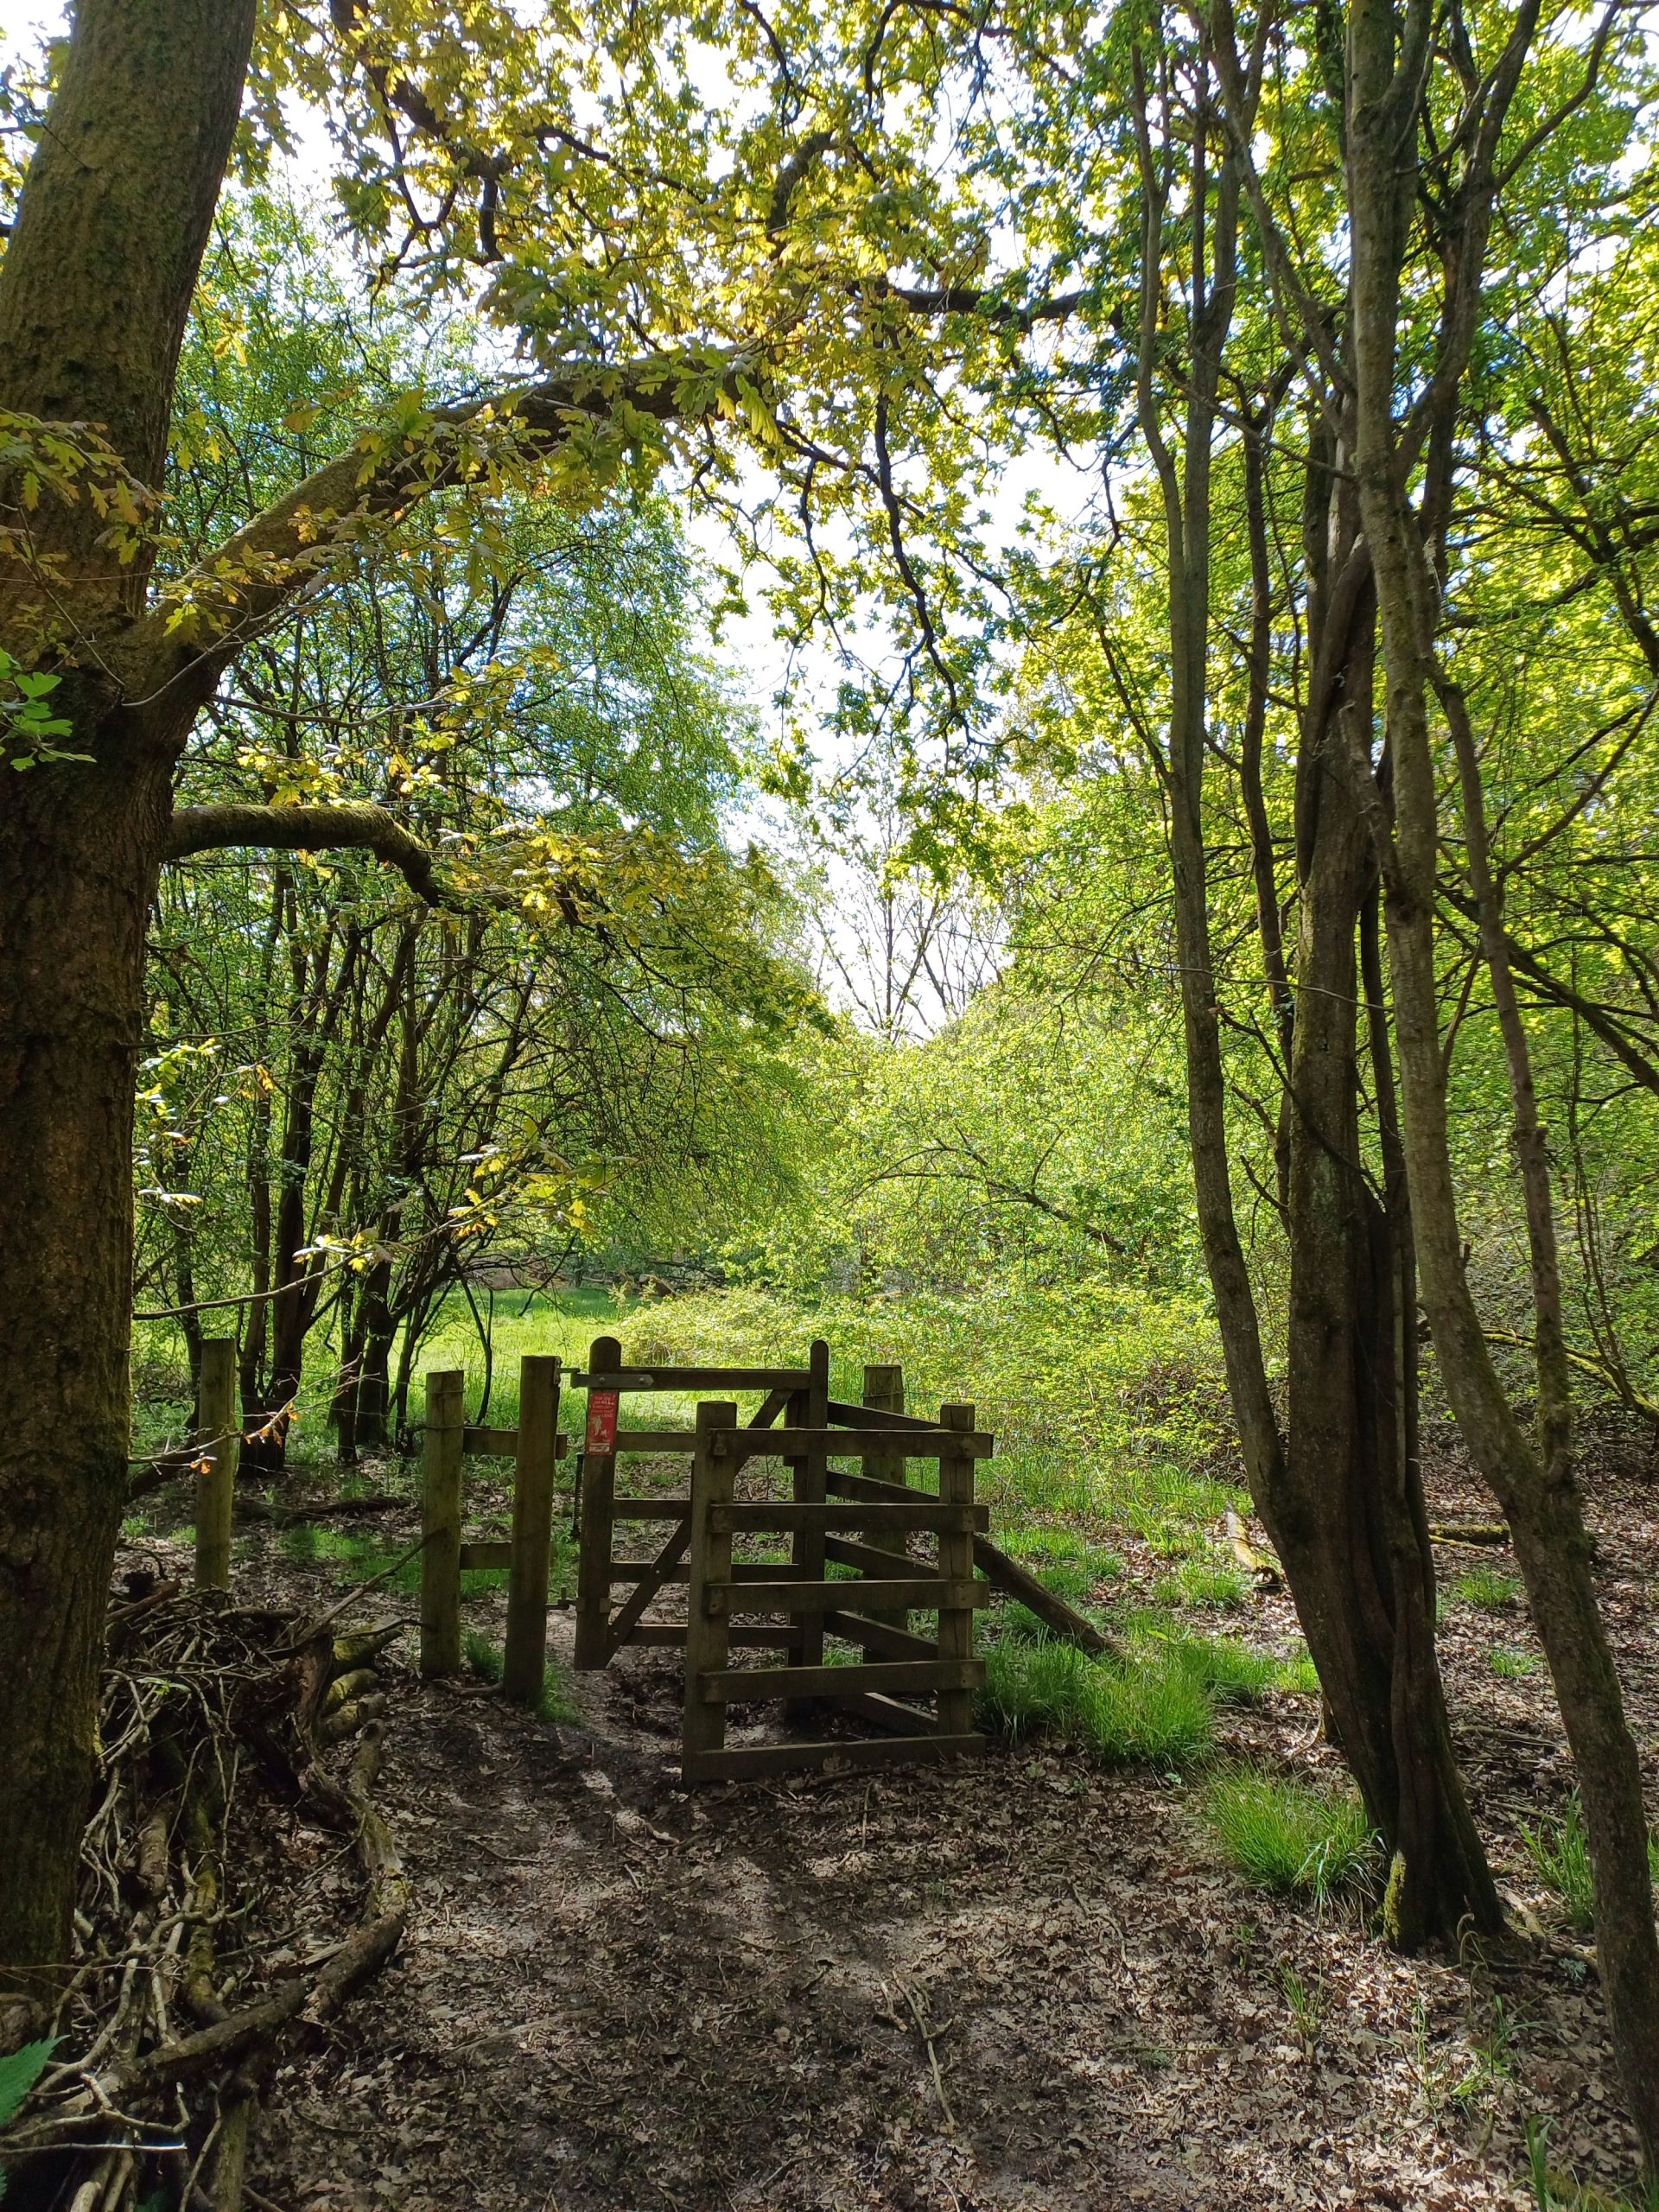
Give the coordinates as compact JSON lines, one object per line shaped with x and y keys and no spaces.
{"x":219,"y":1729}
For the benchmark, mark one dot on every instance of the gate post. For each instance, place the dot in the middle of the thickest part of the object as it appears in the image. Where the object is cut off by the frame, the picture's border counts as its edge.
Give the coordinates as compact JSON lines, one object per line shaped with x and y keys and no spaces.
{"x":806,"y":1648}
{"x":598,"y":1500}
{"x":884,"y":1392}
{"x":525,"y":1665}
{"x":446,"y":1412}
{"x":707,"y":1622}
{"x":956,"y":1565}
{"x":217,"y":1441}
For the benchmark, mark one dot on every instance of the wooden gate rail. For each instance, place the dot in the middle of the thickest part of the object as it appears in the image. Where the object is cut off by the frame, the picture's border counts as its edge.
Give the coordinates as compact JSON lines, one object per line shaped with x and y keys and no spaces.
{"x":607,"y":1378}
{"x":850,"y":1526}
{"x":1003,"y":1572}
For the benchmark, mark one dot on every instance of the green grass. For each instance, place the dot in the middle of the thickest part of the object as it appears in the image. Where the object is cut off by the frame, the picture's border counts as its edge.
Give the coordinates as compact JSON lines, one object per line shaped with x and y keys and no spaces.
{"x":1157,"y":1714}
{"x":1560,"y":1853}
{"x":1215,"y":1585}
{"x":1231,"y":1674}
{"x":1494,"y":1592}
{"x":1299,"y":1675}
{"x":1512,"y":1665}
{"x":486,"y":1659}
{"x":1120,"y":1712}
{"x":1292,"y":1837}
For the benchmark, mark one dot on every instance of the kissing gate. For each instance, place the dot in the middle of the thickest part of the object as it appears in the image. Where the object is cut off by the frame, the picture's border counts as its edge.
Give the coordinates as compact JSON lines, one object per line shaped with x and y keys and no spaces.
{"x":847,"y":1578}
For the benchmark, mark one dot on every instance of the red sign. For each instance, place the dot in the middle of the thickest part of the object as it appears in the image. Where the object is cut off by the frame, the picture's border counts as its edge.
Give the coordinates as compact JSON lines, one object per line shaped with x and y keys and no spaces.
{"x":601,"y":1422}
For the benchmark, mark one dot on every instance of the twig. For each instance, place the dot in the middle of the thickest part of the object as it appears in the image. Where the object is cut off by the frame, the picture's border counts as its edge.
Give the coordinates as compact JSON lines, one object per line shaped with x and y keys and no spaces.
{"x":314,"y":1629}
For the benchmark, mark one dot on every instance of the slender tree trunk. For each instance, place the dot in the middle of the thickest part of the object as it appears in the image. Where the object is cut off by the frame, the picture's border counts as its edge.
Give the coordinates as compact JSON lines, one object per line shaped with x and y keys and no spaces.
{"x":1534,"y":1482}
{"x":1336,"y":1495}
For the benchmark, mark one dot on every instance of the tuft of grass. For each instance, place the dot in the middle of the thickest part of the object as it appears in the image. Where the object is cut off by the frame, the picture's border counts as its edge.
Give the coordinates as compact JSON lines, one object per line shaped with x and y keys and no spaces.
{"x":1214,"y":1585}
{"x":479,"y":1581}
{"x":1485,"y":1587}
{"x":1070,"y":1580}
{"x":1560,"y":1853}
{"x":1289,"y":1836}
{"x":1512,"y":1665}
{"x":558,"y":1698}
{"x":1120,"y":1712}
{"x":1031,"y":1682}
{"x":1017,"y":1624}
{"x":1231,"y":1673}
{"x":1299,"y":1675}
{"x":1160,"y":1714}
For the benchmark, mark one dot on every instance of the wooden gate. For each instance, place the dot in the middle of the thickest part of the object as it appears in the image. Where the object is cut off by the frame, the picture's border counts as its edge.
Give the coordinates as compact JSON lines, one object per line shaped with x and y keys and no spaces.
{"x":722,"y":1593}
{"x":849,"y":1573}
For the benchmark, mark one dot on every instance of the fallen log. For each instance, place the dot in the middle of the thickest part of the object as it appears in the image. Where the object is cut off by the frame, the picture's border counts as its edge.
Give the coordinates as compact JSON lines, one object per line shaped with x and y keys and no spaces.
{"x":1264,"y":1571}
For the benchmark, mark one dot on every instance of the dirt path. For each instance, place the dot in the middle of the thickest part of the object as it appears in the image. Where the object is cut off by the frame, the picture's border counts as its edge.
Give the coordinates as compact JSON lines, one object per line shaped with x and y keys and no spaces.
{"x":614,"y":1995}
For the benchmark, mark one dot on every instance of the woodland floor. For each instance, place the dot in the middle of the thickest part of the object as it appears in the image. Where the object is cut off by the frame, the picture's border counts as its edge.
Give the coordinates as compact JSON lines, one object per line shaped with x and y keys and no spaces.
{"x":616,"y":1995}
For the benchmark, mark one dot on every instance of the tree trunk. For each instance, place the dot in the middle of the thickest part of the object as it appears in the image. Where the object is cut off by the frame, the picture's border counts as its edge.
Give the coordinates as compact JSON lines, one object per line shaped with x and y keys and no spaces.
{"x":95,"y":289}
{"x":71,"y":953}
{"x":1533,"y":1481}
{"x":1358,"y":1553}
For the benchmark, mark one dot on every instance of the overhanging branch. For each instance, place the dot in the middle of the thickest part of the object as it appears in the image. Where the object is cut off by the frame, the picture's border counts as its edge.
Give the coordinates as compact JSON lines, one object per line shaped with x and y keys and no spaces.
{"x":308,"y":829}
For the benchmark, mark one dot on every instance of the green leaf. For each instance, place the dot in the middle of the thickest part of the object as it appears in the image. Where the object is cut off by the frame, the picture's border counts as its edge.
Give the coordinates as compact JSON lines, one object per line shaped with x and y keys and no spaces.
{"x":19,"y":2073}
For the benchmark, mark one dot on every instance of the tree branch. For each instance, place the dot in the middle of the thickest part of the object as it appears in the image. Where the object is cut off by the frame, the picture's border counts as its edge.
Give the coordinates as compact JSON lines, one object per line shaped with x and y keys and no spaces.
{"x":181,"y":647}
{"x":308,"y":829}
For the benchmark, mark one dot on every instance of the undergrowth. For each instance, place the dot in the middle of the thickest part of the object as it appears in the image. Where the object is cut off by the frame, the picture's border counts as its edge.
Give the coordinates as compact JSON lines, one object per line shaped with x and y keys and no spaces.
{"x":1118,"y":1711}
{"x":1294,"y":1837}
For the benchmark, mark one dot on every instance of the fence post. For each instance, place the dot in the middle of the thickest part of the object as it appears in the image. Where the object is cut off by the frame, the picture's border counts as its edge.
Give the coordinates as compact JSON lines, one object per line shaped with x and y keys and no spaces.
{"x":956,"y":1565}
{"x":446,"y":1412}
{"x":598,"y":1497}
{"x":708,"y":1615}
{"x":532,"y":1527}
{"x":810,"y":1488}
{"x":884,"y":1392}
{"x":218,"y":1437}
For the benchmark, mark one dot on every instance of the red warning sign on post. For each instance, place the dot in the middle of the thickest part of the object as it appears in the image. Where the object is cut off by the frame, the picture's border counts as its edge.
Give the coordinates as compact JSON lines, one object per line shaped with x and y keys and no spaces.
{"x":601,"y":1421}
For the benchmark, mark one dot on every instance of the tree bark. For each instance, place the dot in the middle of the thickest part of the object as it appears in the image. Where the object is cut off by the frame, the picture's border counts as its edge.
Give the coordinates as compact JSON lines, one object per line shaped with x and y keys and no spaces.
{"x":1532,"y":1482}
{"x":95,"y":289}
{"x":71,"y":953}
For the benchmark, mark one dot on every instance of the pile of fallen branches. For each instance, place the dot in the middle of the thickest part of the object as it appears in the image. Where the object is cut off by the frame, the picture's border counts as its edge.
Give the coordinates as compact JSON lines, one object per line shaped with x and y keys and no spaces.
{"x":237,"y":1884}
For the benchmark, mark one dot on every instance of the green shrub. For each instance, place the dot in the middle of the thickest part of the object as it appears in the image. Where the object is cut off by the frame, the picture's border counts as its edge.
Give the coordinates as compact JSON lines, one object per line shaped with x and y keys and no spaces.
{"x":1286,"y":1835}
{"x":481,"y":1656}
{"x":1561,"y":1856}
